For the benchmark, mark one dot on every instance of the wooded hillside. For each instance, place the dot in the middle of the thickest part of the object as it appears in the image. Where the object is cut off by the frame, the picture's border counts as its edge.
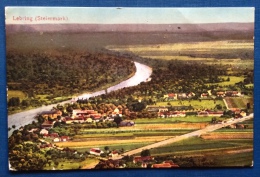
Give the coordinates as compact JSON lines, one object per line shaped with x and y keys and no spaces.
{"x":64,"y":73}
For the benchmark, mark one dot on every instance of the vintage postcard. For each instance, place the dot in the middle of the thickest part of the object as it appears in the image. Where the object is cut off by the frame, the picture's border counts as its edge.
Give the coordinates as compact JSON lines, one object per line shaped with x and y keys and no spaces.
{"x":103,"y":88}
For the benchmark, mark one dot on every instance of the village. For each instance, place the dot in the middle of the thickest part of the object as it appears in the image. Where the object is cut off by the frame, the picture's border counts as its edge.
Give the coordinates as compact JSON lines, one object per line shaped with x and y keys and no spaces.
{"x":121,"y":117}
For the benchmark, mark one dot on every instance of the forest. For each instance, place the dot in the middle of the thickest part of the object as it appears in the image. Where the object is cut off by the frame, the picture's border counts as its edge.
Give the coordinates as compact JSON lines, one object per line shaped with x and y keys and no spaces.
{"x":62,"y":74}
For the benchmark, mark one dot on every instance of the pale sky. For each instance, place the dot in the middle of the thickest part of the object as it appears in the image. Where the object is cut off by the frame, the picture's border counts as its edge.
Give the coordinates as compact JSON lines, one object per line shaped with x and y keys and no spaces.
{"x":109,"y":15}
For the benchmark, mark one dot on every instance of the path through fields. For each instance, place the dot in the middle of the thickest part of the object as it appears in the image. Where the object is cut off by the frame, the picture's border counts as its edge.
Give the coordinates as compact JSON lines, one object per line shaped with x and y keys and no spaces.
{"x":207,"y":129}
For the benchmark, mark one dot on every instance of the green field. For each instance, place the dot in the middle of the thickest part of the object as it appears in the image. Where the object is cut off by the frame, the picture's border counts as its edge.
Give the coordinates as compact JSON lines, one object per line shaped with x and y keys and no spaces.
{"x":235,"y":160}
{"x":125,"y":147}
{"x":196,"y":104}
{"x":238,"y":102}
{"x":171,"y":120}
{"x":66,"y":164}
{"x":233,"y":80}
{"x":195,"y":146}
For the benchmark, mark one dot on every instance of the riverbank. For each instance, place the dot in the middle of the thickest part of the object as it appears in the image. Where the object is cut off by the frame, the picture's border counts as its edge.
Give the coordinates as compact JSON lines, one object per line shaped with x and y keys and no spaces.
{"x":76,"y":96}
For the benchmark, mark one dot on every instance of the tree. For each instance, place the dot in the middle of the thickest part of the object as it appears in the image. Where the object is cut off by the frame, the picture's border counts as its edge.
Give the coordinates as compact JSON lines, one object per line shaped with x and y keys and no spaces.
{"x":40,"y":119}
{"x":145,"y":153}
{"x":228,"y":79}
{"x":213,"y":120}
{"x":118,"y":120}
{"x":248,"y":106}
{"x":218,"y":106}
{"x":106,"y":149}
{"x":14,"y":101}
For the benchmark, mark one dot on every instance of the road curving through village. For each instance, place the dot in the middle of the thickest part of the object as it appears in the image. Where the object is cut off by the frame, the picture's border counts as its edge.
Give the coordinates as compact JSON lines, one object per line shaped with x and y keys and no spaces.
{"x":142,"y":74}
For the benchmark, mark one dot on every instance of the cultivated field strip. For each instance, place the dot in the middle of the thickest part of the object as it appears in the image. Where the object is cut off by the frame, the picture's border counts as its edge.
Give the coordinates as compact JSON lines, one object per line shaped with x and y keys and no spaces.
{"x":209,"y":128}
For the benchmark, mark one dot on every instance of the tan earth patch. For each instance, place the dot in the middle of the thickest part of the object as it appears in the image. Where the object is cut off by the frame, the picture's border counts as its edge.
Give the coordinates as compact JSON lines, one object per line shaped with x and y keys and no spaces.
{"x":212,"y":136}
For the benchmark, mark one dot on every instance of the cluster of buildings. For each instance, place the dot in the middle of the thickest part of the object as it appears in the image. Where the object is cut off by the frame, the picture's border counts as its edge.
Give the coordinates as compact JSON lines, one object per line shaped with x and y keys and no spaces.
{"x":178,"y":96}
{"x":54,"y":136}
{"x":220,"y":94}
{"x":78,"y":116}
{"x":180,"y":111}
{"x":204,"y":95}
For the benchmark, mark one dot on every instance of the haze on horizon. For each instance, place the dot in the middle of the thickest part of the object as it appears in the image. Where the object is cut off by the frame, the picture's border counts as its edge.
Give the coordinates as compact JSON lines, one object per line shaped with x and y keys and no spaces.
{"x":113,"y":15}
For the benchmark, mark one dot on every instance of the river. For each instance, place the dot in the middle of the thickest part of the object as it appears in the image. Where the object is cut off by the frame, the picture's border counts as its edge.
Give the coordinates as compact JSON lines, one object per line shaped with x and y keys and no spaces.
{"x":142,"y":73}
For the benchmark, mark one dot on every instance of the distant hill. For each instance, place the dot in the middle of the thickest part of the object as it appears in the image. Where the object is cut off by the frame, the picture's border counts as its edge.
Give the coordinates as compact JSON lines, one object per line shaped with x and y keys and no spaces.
{"x":176,"y":28}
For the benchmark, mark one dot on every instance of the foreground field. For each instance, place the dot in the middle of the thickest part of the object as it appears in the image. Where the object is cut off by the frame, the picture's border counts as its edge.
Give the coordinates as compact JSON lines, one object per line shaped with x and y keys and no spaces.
{"x":220,"y":152}
{"x":145,"y":132}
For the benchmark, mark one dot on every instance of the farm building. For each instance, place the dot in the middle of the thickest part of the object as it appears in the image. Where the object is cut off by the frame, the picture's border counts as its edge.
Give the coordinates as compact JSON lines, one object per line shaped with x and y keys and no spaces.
{"x":113,"y":154}
{"x":143,"y":159}
{"x":96,"y":151}
{"x":126,"y":123}
{"x":210,"y":113}
{"x":154,"y":108}
{"x":47,"y":124}
{"x":233,"y":93}
{"x":171,"y":114}
{"x":82,"y":113}
{"x":204,"y":95}
{"x":44,"y":132}
{"x":165,"y":164}
{"x":51,"y":114}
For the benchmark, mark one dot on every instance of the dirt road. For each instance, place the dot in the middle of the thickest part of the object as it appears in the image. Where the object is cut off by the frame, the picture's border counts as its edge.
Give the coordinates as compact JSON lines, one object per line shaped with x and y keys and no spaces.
{"x":209,"y":128}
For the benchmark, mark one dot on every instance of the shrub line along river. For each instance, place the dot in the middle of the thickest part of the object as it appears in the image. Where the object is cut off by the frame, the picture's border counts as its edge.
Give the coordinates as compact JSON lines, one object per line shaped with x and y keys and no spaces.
{"x":142,"y":73}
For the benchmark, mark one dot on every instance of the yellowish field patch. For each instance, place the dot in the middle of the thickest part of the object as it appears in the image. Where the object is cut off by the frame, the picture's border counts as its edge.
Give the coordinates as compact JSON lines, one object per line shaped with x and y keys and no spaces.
{"x":214,"y":136}
{"x":96,"y":143}
{"x":190,"y":46}
{"x":16,"y":93}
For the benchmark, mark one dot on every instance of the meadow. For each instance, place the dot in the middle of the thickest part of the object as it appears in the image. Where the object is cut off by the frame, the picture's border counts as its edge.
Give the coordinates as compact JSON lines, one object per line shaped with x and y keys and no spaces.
{"x":237,"y":102}
{"x":196,"y":104}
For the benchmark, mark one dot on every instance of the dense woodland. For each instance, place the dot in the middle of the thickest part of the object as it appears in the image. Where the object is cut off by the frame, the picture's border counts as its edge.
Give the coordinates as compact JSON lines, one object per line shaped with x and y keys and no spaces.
{"x":176,"y":77}
{"x":64,"y":74}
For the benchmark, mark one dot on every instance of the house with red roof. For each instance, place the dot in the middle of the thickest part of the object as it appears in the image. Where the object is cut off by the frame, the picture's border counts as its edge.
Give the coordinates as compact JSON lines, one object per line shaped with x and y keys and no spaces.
{"x":172,"y":96}
{"x":233,"y":93}
{"x":96,"y":151}
{"x":166,"y":164}
{"x":221,"y":94}
{"x":204,"y":95}
{"x":82,"y":113}
{"x":47,"y":124}
{"x":64,"y":138}
{"x":114,"y":154}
